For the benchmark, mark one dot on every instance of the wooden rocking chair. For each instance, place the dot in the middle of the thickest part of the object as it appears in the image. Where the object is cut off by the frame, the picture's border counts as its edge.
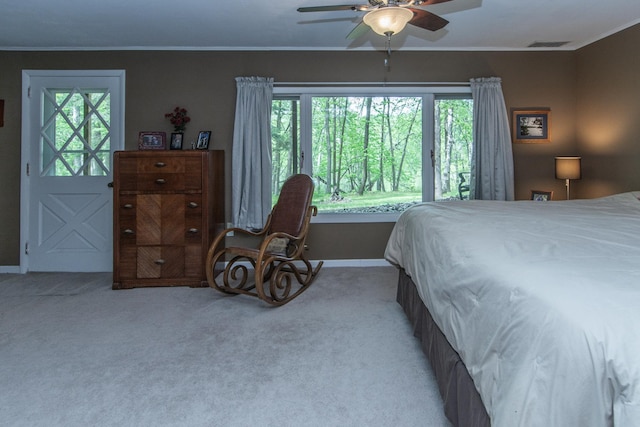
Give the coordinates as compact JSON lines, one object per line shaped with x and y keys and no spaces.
{"x":280,"y":256}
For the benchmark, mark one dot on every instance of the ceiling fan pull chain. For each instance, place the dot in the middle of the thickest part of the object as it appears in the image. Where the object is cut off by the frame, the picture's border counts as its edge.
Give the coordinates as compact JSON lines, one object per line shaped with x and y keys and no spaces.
{"x":387,"y":60}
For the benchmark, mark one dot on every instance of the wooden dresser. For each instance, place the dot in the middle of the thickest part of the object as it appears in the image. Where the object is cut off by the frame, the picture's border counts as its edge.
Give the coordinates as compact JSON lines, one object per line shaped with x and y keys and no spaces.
{"x":168,"y":207}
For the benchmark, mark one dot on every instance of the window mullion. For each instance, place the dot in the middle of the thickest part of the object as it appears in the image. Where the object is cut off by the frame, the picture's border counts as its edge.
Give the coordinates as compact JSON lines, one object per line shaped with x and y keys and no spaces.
{"x":306,"y":132}
{"x":428,"y":145}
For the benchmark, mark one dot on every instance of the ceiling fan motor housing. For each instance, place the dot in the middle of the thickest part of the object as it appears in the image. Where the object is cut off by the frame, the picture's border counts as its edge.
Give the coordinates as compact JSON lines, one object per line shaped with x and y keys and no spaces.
{"x":388,"y":20}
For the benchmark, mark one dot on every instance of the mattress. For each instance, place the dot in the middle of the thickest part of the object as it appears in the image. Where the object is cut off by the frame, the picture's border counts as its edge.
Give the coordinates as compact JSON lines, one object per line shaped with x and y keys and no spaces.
{"x":540,"y":300}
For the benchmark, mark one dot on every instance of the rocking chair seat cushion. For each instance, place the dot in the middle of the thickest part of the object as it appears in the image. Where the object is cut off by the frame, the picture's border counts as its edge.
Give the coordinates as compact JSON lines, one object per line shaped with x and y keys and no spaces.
{"x":278,"y":245}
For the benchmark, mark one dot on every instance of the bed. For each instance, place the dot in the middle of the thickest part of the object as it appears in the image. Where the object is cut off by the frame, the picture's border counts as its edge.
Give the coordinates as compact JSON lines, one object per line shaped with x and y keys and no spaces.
{"x":537,"y":305}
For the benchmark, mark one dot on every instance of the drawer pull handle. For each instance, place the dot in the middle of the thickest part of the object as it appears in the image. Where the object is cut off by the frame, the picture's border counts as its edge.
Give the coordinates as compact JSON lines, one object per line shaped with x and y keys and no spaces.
{"x":128,"y":231}
{"x":193,"y":205}
{"x":128,"y":206}
{"x":193,"y":230}
{"x":161,"y":164}
{"x":161,"y":181}
{"x":160,"y":261}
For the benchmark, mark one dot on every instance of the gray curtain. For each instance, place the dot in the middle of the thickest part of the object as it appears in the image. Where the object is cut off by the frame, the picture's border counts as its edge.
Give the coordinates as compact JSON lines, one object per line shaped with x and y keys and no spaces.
{"x":251,"y":153}
{"x":492,"y":156}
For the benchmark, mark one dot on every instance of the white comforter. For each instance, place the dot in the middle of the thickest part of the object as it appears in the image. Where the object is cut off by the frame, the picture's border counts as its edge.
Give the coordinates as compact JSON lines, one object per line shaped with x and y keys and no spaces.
{"x":540,"y":299}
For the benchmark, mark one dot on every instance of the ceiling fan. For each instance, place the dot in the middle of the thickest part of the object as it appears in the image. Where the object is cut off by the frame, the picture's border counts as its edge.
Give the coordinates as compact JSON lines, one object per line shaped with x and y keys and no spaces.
{"x":388,"y":17}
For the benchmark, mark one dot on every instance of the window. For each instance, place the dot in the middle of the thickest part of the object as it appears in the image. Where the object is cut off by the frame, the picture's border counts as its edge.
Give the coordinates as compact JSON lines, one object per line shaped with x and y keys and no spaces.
{"x":453,"y":142}
{"x":75,"y":136}
{"x":373,"y":152}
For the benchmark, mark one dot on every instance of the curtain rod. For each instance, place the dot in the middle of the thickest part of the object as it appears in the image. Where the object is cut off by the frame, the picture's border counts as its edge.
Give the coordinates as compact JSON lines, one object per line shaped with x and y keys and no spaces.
{"x":376,"y":84}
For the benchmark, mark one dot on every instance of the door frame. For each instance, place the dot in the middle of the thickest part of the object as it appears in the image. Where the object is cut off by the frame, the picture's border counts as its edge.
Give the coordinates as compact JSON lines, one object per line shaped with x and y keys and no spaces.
{"x":26,"y":141}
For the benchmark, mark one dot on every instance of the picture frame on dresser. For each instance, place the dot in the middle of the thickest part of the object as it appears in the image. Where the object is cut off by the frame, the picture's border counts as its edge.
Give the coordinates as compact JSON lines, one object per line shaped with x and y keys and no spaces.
{"x":541,"y":196}
{"x":152,"y":140}
{"x":176,"y":141}
{"x":203,"y":140}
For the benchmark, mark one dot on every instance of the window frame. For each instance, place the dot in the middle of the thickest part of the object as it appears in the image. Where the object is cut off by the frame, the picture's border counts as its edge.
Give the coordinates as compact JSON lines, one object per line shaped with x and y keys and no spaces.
{"x":428,"y":94}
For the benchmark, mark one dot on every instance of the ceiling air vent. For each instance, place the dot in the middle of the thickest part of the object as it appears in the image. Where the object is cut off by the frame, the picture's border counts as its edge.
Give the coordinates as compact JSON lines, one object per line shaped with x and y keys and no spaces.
{"x":547,"y":44}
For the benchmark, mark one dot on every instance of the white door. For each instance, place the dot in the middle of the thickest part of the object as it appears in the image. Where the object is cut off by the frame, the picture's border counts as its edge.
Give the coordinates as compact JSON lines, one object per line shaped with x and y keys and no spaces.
{"x":73,"y":122}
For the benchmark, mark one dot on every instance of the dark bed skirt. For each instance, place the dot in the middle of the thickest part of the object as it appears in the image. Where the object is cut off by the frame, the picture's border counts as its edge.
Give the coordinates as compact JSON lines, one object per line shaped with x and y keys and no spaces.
{"x":462,"y":403}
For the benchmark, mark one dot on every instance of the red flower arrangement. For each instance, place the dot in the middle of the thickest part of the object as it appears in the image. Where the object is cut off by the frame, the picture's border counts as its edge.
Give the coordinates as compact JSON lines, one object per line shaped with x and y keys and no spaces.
{"x":178,"y":118}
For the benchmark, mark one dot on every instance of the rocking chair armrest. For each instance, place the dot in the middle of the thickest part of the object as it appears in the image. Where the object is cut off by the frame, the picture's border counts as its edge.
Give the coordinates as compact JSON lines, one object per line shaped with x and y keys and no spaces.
{"x":244,"y":231}
{"x":223,"y":234}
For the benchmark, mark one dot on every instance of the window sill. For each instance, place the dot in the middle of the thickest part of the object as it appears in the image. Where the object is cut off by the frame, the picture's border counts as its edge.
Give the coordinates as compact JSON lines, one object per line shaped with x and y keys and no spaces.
{"x":341,"y":218}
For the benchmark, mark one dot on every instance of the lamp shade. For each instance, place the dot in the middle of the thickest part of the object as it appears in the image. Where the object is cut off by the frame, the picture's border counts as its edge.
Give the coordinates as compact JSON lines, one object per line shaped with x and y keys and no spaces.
{"x":568,"y":167}
{"x":388,"y":20}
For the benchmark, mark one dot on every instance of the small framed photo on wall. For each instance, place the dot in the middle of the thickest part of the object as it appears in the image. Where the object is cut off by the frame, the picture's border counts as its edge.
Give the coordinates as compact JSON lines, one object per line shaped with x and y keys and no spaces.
{"x":531,"y":126}
{"x":203,"y":140}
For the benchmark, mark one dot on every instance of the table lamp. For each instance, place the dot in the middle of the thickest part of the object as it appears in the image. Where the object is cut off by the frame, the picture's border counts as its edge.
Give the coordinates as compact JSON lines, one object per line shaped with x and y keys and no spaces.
{"x":568,"y":168}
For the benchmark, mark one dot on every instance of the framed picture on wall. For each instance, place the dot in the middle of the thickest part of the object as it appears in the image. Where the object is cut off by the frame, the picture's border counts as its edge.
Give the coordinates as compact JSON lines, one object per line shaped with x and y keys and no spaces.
{"x":531,"y":126}
{"x":152,"y":141}
{"x":203,"y":140}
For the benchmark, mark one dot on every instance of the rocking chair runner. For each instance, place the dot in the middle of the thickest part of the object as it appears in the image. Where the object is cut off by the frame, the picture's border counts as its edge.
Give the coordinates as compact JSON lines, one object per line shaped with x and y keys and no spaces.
{"x":277,"y":261}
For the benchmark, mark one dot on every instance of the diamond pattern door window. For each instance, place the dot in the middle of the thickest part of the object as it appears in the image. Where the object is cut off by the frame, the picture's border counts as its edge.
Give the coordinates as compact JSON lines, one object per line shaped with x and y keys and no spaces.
{"x":75,"y":137}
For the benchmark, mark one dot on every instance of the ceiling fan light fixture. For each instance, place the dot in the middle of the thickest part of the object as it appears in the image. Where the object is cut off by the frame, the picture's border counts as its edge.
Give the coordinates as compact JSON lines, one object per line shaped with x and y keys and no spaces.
{"x":388,"y":20}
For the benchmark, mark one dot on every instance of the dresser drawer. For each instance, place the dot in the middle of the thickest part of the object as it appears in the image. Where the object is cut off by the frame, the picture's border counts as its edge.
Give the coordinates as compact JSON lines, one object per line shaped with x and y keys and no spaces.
{"x":193,"y":230}
{"x":143,"y":163}
{"x":126,"y":268}
{"x":193,"y":261}
{"x":127,"y":206}
{"x":127,"y":231}
{"x":161,"y":182}
{"x":160,"y":262}
{"x":153,"y":182}
{"x":160,"y":173}
{"x":193,"y":204}
{"x":164,"y":164}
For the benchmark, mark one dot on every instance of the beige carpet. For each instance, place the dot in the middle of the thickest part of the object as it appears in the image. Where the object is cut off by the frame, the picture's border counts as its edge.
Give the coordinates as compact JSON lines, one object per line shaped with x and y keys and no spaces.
{"x":73,"y":352}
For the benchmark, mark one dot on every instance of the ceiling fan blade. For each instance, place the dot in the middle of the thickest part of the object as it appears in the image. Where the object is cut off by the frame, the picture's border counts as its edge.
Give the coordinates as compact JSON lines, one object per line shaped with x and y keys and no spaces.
{"x":427,"y":20}
{"x":428,"y":2}
{"x":359,"y":30}
{"x":330,"y":8}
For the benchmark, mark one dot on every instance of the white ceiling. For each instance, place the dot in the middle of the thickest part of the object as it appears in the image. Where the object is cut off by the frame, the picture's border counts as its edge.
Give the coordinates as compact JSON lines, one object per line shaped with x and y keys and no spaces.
{"x":276,"y":25}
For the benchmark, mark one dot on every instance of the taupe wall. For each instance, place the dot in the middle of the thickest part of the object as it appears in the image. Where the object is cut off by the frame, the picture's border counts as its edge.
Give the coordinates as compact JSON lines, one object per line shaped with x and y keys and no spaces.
{"x":203,"y":82}
{"x":608,"y":112}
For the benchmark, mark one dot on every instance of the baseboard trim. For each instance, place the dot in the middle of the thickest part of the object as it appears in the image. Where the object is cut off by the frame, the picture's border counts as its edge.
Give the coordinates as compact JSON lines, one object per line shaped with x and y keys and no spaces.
{"x":327,"y":264}
{"x":356,"y":263}
{"x":338,"y":263}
